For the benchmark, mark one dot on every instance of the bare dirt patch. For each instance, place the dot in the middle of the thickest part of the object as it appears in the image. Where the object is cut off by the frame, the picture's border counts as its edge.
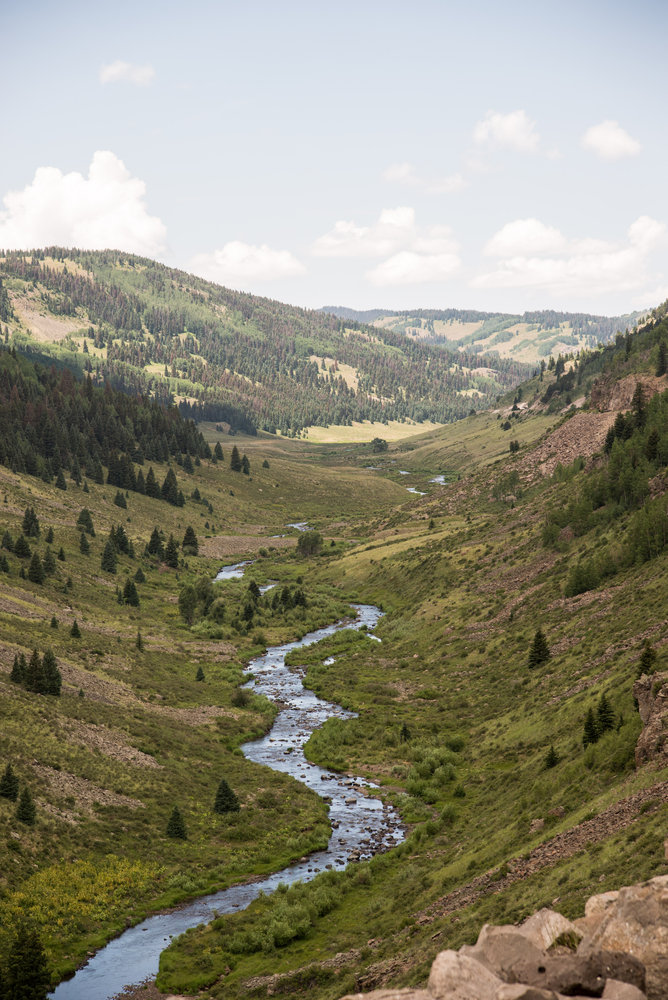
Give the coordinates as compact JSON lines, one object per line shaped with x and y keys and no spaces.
{"x":110,"y":742}
{"x":86,"y":793}
{"x":225,"y":546}
{"x":44,"y":327}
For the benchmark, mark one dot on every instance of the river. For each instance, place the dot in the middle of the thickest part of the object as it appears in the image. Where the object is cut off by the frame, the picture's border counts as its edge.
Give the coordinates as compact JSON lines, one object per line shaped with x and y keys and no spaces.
{"x":361,"y":824}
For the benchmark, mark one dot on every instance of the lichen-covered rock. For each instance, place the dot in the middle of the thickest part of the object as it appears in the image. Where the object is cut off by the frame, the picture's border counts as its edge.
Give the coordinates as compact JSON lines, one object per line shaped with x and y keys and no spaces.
{"x":651,"y":693}
{"x":637,"y":923}
{"x":459,"y":977}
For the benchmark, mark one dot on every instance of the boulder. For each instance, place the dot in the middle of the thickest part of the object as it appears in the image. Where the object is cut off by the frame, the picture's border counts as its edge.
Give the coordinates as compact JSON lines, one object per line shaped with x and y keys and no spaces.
{"x":637,"y":923}
{"x":651,"y":693}
{"x":614,"y":990}
{"x":500,"y":949}
{"x":544,"y":927}
{"x":520,"y":991}
{"x":403,"y":994}
{"x":459,"y":977}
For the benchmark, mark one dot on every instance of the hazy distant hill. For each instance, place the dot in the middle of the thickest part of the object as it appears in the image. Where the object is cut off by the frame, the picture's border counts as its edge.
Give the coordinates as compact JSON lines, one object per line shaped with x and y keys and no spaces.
{"x":228,"y":356}
{"x":528,"y":337}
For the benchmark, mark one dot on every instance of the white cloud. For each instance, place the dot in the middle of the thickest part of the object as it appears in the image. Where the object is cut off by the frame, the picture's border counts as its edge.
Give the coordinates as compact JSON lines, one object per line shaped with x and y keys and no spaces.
{"x":513,"y":131}
{"x":124,"y":72}
{"x":413,"y":255}
{"x":537,"y":256}
{"x":405,"y":173}
{"x":105,"y":210}
{"x":237,"y":264}
{"x":523,"y":238}
{"x":610,"y":141}
{"x":409,"y":268}
{"x":395,"y":227}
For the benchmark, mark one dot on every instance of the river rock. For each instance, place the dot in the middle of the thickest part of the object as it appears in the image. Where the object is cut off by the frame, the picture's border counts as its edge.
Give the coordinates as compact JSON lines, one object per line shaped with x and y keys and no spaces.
{"x":458,"y":977}
{"x":637,"y":923}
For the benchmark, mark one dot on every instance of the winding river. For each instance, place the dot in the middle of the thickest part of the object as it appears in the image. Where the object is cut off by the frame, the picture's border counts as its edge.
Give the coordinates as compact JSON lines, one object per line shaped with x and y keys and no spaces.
{"x":361,"y":824}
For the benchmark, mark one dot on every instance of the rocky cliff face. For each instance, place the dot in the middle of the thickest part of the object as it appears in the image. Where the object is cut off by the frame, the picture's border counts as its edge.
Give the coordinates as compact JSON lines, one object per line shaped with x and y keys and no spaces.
{"x":651,"y":693}
{"x":617,"y":951}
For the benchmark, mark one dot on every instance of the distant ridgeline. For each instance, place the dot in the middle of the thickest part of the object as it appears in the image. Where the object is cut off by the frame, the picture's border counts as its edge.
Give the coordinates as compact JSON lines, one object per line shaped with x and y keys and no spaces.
{"x":546,"y":329}
{"x":250,"y":362}
{"x":53,"y":422}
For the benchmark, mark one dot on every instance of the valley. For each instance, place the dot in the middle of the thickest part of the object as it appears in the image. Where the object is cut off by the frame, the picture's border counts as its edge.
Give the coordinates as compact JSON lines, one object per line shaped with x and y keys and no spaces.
{"x":545,"y":512}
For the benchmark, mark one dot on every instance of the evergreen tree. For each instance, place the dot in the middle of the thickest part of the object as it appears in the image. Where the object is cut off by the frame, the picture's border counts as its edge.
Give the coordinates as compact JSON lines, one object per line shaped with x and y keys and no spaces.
{"x":591,"y":733}
{"x":169,"y":490}
{"x":130,"y":595}
{"x":85,"y":521}
{"x":75,"y":631}
{"x":662,"y":364}
{"x":245,"y":465}
{"x":34,"y":674}
{"x":188,"y":464}
{"x":155,"y":546}
{"x":48,"y":538}
{"x":21,"y":547}
{"x":176,"y":827}
{"x":254,"y":591}
{"x":647,"y":659}
{"x":26,"y":970}
{"x":152,"y":488}
{"x":19,"y":669}
{"x":551,"y":759}
{"x":52,"y":680}
{"x":109,"y":559}
{"x":141,"y":485}
{"x":605,"y":717}
{"x":404,"y":733}
{"x":187,"y":604}
{"x":4,"y":565}
{"x":9,"y":786}
{"x":539,"y":651}
{"x":265,"y":464}
{"x":49,"y":562}
{"x":8,"y":542}
{"x":61,"y":554}
{"x":218,"y":451}
{"x":235,"y":460}
{"x":120,"y":500}
{"x":172,"y":553}
{"x":30,"y":523}
{"x":60,"y":481}
{"x":36,"y":572}
{"x":189,"y":543}
{"x":140,"y":576}
{"x":54,"y":621}
{"x":84,"y":544}
{"x":139,"y":642}
{"x":225,"y":801}
{"x":25,"y":810}
{"x":199,"y":676}
{"x":638,"y":406}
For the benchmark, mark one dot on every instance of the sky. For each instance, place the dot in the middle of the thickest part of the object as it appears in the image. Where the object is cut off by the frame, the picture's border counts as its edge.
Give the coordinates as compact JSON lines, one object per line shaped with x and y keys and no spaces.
{"x":438,"y":154}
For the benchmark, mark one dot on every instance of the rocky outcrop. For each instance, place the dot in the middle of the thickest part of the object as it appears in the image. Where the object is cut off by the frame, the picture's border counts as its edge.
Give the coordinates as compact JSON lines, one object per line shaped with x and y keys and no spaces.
{"x":651,"y":693}
{"x":617,"y":951}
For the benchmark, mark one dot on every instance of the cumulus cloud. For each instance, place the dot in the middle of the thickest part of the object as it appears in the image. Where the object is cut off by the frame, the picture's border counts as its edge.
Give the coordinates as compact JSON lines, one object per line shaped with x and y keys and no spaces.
{"x":610,"y":141}
{"x":414,"y":255}
{"x":105,"y":210}
{"x":125,"y":72}
{"x":405,"y":173}
{"x":533,"y":255}
{"x":237,"y":264}
{"x":512,"y":131}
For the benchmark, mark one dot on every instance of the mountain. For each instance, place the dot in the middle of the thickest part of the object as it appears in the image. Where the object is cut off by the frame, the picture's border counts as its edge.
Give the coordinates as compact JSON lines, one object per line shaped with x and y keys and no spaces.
{"x":249,"y":362}
{"x":527,"y":337}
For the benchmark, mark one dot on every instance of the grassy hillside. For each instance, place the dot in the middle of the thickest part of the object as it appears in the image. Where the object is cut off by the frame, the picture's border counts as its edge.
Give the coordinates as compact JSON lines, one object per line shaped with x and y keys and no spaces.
{"x":529,"y":337}
{"x":237,"y":359}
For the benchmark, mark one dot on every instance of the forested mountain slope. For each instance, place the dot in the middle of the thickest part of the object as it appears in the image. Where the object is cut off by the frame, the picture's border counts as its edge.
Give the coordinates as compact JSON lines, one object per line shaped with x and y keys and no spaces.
{"x":236,"y":358}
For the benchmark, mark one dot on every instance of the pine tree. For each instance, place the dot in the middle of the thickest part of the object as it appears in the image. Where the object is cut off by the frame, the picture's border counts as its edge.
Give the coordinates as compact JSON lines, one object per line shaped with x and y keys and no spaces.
{"x":61,"y":554}
{"x":49,"y":562}
{"x":9,"y":785}
{"x":54,"y":621}
{"x":84,"y":544}
{"x":120,"y":500}
{"x":662,"y":364}
{"x":140,"y":576}
{"x":172,"y":553}
{"x":152,"y":488}
{"x":638,"y":405}
{"x":26,"y":970}
{"x":75,"y":631}
{"x":189,"y":543}
{"x":52,"y":680}
{"x":218,"y":451}
{"x":7,"y":542}
{"x":25,"y":810}
{"x":139,"y":642}
{"x":591,"y":733}
{"x":551,"y":759}
{"x":85,"y":521}
{"x":34,"y":674}
{"x":235,"y":460}
{"x":605,"y":717}
{"x":19,"y":669}
{"x":48,"y":538}
{"x":36,"y":572}
{"x":130,"y":595}
{"x":155,"y":546}
{"x":539,"y":652}
{"x":199,"y":676}
{"x":169,"y":489}
{"x":245,"y":465}
{"x":647,"y":659}
{"x":176,"y":827}
{"x":109,"y":559}
{"x":30,"y":523}
{"x":141,"y":485}
{"x":4,"y":565}
{"x":225,"y":801}
{"x":60,"y":481}
{"x":22,"y":548}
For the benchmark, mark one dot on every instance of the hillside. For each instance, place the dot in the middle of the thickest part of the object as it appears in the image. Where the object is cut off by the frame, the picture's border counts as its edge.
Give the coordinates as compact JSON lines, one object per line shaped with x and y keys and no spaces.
{"x":248,"y":362}
{"x":546,"y":513}
{"x":529,"y":337}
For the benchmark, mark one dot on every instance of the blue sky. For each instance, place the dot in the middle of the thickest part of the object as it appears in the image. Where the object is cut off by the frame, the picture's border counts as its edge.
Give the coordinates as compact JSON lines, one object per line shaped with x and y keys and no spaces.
{"x":440,"y":154}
